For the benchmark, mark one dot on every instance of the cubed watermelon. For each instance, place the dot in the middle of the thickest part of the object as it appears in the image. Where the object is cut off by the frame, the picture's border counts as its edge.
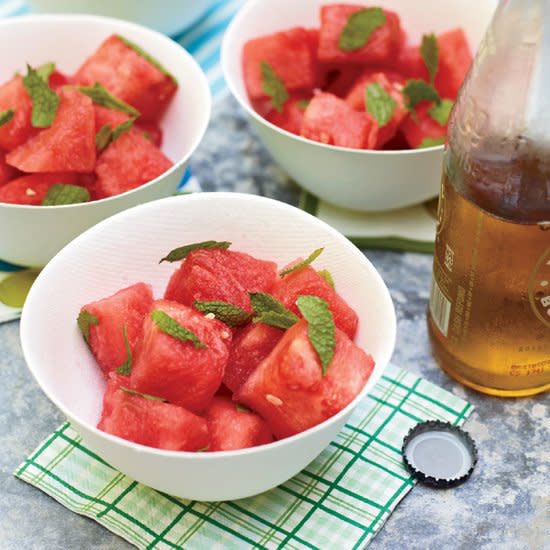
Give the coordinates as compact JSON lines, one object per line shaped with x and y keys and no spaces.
{"x":288,"y":53}
{"x":57,"y":80}
{"x":32,"y":189}
{"x":307,"y":282}
{"x":151,"y":422}
{"x":384,"y":43}
{"x":120,"y":313}
{"x":13,"y":95}
{"x":151,"y":130}
{"x":225,"y":275}
{"x":129,"y":76}
{"x":288,"y":389}
{"x":338,"y":79}
{"x":7,"y":172}
{"x":103,"y":115}
{"x":251,"y":345}
{"x":331,"y":120}
{"x":392,"y":84}
{"x":421,"y":130}
{"x":292,"y":115}
{"x":68,"y":145}
{"x":183,"y":374}
{"x":128,"y":162}
{"x":232,"y":427}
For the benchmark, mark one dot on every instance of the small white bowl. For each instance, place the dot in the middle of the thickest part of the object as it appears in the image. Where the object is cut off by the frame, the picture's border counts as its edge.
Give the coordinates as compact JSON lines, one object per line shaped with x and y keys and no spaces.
{"x":351,"y":178}
{"x":125,"y":249}
{"x":31,"y":235}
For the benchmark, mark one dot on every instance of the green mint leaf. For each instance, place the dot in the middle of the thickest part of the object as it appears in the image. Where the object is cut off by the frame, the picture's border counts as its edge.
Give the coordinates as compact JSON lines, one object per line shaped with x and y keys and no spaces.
{"x":170,"y":326}
{"x":325,"y":273}
{"x":101,"y":96}
{"x":359,"y":28}
{"x":431,"y":142}
{"x":440,"y":113}
{"x":85,"y":319}
{"x":121,"y":128}
{"x":303,"y":104}
{"x":103,"y":137}
{"x":270,"y":311}
{"x":45,"y":71}
{"x":416,"y":91}
{"x":321,"y":330}
{"x":225,"y":312}
{"x":126,"y":368}
{"x":44,"y":100}
{"x":6,"y":116}
{"x":148,"y":57}
{"x":242,"y":409}
{"x":315,"y":254}
{"x":429,"y":50}
{"x":273,"y":87}
{"x":144,"y":395}
{"x":203,"y":449}
{"x":379,"y":103}
{"x":182,"y":252}
{"x":64,"y":193}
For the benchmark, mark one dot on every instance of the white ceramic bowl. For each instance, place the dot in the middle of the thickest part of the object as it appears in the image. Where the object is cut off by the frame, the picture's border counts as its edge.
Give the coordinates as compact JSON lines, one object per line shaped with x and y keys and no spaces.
{"x":31,"y":235}
{"x":168,"y":16}
{"x":125,"y":249}
{"x":351,"y":178}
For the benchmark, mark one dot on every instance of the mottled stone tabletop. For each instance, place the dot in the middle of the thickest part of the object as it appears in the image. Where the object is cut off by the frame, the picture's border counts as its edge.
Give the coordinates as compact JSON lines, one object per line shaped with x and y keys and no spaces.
{"x":506,"y":503}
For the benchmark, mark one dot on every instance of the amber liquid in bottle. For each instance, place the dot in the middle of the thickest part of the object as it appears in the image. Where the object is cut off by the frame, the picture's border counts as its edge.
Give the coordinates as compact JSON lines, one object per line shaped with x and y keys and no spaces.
{"x":489,"y":314}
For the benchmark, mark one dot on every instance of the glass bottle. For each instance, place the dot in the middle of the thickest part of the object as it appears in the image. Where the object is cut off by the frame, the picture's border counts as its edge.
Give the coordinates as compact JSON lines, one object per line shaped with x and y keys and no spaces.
{"x":489,"y":312}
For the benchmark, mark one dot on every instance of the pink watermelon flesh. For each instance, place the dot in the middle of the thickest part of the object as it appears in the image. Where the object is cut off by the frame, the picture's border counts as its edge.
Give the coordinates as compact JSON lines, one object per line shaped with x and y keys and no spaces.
{"x":128,"y":162}
{"x":68,"y":145}
{"x":32,"y":189}
{"x":251,"y":345}
{"x":423,"y":126}
{"x":7,"y":172}
{"x":124,"y":310}
{"x":151,"y":423}
{"x":288,"y":389}
{"x":231,"y":429}
{"x":128,"y":76}
{"x":176,"y":370}
{"x":307,"y":282}
{"x":13,"y":95}
{"x":292,"y":115}
{"x":103,"y":116}
{"x":225,"y":275}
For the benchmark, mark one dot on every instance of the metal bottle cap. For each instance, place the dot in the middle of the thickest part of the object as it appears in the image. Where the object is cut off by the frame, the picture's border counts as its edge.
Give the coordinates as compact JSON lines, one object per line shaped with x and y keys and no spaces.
{"x":439,"y":454}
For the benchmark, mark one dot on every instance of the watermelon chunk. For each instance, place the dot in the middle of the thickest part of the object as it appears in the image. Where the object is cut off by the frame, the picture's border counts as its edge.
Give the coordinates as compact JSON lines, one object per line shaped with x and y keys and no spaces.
{"x":422,"y":130}
{"x":68,"y":145}
{"x":339,"y":79}
{"x":176,"y":370}
{"x":32,"y":189}
{"x":151,"y":130}
{"x":231,"y":428}
{"x":392,"y":83}
{"x":123,"y":311}
{"x":384,"y":43}
{"x":129,"y":76}
{"x":292,"y":115}
{"x":307,"y":282}
{"x":128,"y":162}
{"x":57,"y":80}
{"x":331,"y":120}
{"x":288,"y":389}
{"x":103,"y":115}
{"x":151,"y":423}
{"x":7,"y":172}
{"x":251,"y":345}
{"x":13,"y":95}
{"x":216,"y":274}
{"x":289,"y":54}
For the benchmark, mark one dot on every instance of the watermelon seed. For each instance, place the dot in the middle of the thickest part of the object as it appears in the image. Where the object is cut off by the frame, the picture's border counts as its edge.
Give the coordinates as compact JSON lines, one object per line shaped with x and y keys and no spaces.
{"x":30,"y":192}
{"x":225,"y":335}
{"x":210,"y":316}
{"x":274,"y":400}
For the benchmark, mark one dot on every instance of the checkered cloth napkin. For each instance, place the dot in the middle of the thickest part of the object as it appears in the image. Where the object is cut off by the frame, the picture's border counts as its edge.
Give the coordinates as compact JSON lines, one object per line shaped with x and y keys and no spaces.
{"x":339,"y":501}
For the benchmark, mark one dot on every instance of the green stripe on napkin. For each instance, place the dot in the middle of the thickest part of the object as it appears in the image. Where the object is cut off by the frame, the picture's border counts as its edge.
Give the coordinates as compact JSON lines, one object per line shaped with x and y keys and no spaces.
{"x":339,"y":501}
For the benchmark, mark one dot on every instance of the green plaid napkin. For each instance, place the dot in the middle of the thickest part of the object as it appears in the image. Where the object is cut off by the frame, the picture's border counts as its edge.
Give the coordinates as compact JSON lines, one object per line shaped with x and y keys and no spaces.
{"x":339,"y":501}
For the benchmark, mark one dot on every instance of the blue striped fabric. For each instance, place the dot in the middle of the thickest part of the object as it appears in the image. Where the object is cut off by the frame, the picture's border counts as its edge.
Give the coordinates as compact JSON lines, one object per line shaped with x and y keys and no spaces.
{"x":203,"y":40}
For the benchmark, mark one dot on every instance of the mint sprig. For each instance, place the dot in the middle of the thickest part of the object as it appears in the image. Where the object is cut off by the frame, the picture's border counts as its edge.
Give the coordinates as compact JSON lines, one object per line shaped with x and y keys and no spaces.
{"x":440,"y":113}
{"x":431,"y":142}
{"x":416,"y":91}
{"x":225,"y":312}
{"x":85,"y":320}
{"x":107,"y":135}
{"x":325,"y":273}
{"x":321,"y":330}
{"x":304,"y":263}
{"x":379,"y":104}
{"x":359,"y":28}
{"x":170,"y":326}
{"x":44,"y":100}
{"x":144,"y":395}
{"x":273,"y":86}
{"x":429,"y":50}
{"x":45,"y":71}
{"x":182,"y":252}
{"x":64,"y":193}
{"x":270,"y":311}
{"x":101,"y":96}
{"x":6,"y":116}
{"x":303,"y":104}
{"x":242,"y":409}
{"x":126,"y":368}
